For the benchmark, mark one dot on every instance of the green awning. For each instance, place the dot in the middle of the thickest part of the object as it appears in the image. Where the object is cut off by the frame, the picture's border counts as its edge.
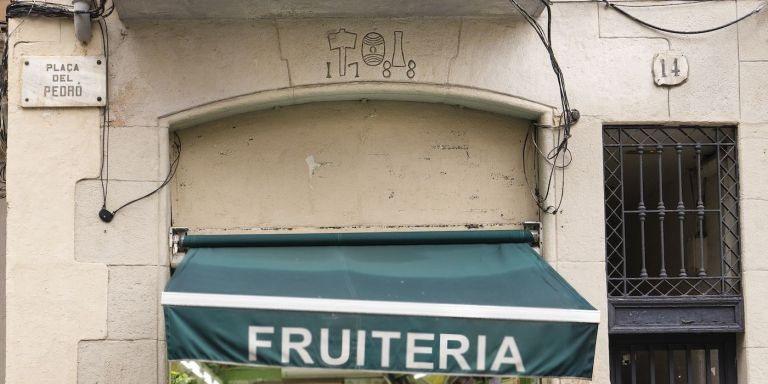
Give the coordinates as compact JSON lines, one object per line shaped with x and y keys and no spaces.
{"x":464,"y":303}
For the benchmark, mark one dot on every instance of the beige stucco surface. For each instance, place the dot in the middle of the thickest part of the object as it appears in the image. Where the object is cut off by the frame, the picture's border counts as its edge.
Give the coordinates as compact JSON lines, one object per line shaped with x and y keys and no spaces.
{"x":81,"y":302}
{"x":354,"y":164}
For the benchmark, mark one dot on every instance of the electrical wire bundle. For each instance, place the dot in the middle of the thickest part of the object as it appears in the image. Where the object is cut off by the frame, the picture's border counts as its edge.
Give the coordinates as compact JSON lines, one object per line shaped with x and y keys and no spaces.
{"x":560,"y":156}
{"x":25,"y":9}
{"x":3,"y":115}
{"x":37,"y":8}
{"x":105,"y":214}
{"x":3,"y":150}
{"x":99,"y":11}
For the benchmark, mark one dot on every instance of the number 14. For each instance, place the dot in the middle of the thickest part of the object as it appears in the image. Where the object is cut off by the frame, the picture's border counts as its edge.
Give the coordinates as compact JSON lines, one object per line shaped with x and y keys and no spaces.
{"x":675,"y":70}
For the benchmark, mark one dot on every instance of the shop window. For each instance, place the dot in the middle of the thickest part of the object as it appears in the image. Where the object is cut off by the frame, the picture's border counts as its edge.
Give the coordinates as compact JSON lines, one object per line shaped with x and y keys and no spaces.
{"x":188,"y":371}
{"x":671,"y":211}
{"x":673,"y":359}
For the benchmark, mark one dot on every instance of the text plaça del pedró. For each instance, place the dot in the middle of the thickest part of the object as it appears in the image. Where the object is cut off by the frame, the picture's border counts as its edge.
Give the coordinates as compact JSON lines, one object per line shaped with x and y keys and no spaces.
{"x":61,"y":75}
{"x":451,"y":346}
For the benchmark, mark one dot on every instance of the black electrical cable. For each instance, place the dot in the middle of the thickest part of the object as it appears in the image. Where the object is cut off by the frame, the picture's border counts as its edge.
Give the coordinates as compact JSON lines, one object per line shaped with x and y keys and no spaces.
{"x":546,"y":40}
{"x":626,"y":14}
{"x":26,"y":8}
{"x":665,"y":3}
{"x":568,"y":116}
{"x":171,"y":172}
{"x":560,"y":156}
{"x":105,"y":214}
{"x":99,"y":11}
{"x":3,"y":125}
{"x":105,"y":131}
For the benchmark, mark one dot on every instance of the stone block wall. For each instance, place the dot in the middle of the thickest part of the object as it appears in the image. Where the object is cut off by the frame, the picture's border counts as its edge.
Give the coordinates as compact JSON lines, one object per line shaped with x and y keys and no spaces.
{"x":753,"y":147}
{"x":82,"y":296}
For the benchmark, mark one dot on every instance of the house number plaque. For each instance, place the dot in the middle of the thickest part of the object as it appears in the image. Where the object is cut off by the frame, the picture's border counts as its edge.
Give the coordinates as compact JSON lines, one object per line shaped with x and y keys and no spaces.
{"x":670,"y":68}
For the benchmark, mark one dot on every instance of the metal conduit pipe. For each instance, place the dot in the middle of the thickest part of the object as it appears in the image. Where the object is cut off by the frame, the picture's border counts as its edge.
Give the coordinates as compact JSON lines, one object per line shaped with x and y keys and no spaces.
{"x":82,"y":20}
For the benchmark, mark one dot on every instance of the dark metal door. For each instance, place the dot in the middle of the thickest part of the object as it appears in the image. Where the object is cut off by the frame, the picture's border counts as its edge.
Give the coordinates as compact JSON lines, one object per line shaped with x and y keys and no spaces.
{"x":673,"y":359}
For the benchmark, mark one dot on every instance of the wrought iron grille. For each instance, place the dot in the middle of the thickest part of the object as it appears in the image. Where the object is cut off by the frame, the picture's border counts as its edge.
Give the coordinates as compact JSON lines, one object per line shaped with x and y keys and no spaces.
{"x":671,"y":211}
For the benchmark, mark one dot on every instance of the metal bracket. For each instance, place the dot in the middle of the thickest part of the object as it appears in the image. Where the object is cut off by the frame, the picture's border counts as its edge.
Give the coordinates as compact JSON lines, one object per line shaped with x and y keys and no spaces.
{"x":174,"y":238}
{"x":535,"y":228}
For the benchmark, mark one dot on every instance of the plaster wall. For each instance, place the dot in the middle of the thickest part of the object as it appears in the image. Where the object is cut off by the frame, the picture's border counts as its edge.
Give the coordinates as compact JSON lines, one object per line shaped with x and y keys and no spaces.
{"x":82,"y":305}
{"x":354,"y":164}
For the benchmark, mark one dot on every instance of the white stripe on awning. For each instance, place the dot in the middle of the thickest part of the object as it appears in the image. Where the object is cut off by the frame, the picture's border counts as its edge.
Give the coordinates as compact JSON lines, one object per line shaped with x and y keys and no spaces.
{"x":373,"y":307}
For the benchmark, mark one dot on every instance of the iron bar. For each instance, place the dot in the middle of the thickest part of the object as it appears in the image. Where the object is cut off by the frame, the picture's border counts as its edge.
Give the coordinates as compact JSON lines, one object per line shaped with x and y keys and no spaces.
{"x":722,"y":366}
{"x":681,"y":208}
{"x":673,"y":210}
{"x":633,"y":363}
{"x":671,"y":364}
{"x":662,"y":211}
{"x":669,"y":278}
{"x":641,"y":215}
{"x":688,"y":365}
{"x":707,"y":366}
{"x":720,"y":215}
{"x":700,"y":214}
{"x":623,"y":227}
{"x":673,"y":145}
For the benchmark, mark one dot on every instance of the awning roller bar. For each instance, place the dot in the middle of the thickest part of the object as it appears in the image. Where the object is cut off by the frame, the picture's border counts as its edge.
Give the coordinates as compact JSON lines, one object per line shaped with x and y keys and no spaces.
{"x":357,"y":239}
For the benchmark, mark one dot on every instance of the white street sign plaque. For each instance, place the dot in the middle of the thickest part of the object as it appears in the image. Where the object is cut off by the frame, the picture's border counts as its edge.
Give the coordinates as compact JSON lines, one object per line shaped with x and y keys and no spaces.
{"x":63,"y":81}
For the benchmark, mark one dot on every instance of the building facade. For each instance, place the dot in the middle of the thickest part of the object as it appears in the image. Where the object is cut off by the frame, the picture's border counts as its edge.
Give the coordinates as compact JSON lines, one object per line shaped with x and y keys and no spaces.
{"x":343,"y":117}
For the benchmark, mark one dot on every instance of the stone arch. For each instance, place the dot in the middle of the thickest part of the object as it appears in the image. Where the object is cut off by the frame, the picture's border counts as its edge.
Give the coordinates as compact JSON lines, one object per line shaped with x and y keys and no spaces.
{"x":474,"y":98}
{"x":480,"y":99}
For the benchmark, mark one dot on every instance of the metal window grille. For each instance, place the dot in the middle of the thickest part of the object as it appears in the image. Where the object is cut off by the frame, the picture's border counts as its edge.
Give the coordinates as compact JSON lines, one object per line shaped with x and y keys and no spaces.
{"x":673,"y":359}
{"x":671,"y":211}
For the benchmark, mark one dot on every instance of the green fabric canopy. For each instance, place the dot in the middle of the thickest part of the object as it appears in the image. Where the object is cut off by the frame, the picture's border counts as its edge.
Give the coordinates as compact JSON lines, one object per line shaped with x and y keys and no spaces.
{"x":463,"y":303}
